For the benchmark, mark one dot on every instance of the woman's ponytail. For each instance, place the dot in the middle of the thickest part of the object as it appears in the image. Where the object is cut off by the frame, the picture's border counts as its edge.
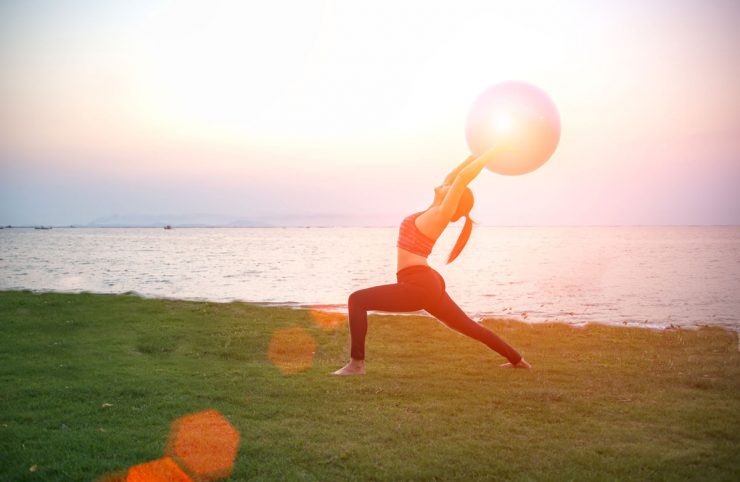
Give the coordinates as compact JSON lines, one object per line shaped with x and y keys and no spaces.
{"x":461,"y":240}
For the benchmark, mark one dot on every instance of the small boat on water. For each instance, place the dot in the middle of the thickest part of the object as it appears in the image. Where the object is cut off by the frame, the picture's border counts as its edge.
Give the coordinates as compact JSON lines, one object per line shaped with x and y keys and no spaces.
{"x":42,"y":227}
{"x":168,"y":227}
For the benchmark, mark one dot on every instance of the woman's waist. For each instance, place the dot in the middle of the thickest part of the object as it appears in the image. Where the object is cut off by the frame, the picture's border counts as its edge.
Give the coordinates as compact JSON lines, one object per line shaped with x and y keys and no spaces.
{"x":414,"y":268}
{"x":407,"y":259}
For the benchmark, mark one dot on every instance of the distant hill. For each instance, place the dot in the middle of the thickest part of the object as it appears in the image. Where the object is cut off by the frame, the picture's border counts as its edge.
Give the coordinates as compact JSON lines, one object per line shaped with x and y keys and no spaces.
{"x":218,"y":221}
{"x":181,"y":221}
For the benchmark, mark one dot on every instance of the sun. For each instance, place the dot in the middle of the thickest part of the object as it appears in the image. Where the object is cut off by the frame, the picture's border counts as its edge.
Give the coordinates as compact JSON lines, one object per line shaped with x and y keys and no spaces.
{"x":503,"y":124}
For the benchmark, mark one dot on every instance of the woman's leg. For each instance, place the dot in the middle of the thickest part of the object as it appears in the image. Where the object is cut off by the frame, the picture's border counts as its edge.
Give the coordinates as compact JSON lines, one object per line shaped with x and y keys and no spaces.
{"x":447,"y":311}
{"x":397,"y":297}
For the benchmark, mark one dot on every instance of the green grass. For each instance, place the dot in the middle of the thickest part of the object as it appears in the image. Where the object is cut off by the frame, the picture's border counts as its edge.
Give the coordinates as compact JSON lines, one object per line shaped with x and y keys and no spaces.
{"x":602,"y":403}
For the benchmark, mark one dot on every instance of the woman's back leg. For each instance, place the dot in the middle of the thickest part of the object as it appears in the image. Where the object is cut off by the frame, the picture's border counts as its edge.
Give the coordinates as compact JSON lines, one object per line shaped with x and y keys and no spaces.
{"x":449,"y":313}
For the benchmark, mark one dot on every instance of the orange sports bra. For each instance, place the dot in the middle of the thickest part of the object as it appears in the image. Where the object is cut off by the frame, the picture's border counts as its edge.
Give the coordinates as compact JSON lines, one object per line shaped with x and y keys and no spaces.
{"x":411,"y":239}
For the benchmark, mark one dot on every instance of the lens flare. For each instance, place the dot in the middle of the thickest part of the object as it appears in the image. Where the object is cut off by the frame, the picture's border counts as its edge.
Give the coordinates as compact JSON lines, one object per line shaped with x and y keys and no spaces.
{"x":328,"y":321}
{"x":521,"y":117}
{"x":161,"y":470}
{"x":291,"y":350}
{"x":205,"y":444}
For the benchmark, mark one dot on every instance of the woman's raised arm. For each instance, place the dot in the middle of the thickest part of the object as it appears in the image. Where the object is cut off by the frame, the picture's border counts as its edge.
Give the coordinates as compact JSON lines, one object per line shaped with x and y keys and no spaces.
{"x":452,"y":175}
{"x":463,"y":178}
{"x":475,"y":163}
{"x":472,"y":170}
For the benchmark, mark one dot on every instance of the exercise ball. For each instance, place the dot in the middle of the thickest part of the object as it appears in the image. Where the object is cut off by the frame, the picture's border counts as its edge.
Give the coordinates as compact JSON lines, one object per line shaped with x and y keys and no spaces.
{"x":522,"y":119}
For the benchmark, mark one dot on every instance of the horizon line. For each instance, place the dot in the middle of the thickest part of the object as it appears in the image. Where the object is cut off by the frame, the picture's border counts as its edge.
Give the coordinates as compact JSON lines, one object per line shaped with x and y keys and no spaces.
{"x":224,"y":226}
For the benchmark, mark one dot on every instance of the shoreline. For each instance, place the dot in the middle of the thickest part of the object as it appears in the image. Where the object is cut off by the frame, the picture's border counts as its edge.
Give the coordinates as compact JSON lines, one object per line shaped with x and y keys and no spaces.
{"x":342,"y":309}
{"x":622,"y":282}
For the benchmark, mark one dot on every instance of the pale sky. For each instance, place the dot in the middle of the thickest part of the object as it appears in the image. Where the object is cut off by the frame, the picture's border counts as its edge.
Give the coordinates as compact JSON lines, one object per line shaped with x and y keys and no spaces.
{"x":349,"y":113}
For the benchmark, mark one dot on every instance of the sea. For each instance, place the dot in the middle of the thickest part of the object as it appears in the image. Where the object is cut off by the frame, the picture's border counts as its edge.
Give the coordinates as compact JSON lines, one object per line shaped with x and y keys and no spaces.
{"x":651,"y":276}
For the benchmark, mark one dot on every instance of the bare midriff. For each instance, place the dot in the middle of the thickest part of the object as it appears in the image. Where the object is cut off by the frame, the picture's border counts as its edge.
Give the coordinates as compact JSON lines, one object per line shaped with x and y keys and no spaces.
{"x":407,"y":258}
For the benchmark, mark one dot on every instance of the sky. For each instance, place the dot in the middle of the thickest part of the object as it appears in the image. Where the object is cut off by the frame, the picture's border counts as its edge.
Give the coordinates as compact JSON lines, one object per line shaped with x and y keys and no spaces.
{"x":350,"y":113}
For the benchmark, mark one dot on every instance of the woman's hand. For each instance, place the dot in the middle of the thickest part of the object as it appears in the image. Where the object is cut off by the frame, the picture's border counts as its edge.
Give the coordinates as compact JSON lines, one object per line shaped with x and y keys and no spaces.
{"x":452,"y":175}
{"x":474,"y":168}
{"x":474,"y":164}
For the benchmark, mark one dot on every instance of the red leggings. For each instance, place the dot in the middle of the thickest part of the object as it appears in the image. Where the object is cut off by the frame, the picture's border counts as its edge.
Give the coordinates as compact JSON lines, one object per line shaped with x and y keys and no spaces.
{"x":419,"y":287}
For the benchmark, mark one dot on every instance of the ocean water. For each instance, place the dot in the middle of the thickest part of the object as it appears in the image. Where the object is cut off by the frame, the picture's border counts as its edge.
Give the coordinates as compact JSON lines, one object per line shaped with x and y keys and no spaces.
{"x":646,"y":276}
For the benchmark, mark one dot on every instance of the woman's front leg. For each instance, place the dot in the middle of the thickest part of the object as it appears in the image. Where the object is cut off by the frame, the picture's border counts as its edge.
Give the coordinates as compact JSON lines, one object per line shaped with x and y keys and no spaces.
{"x":396,"y":297}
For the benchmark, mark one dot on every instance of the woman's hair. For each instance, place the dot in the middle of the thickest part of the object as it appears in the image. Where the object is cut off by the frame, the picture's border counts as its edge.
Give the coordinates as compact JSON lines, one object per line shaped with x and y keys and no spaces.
{"x":463,"y":209}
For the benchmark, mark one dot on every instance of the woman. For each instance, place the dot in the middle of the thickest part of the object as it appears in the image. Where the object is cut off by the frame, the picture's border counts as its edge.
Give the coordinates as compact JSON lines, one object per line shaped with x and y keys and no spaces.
{"x":419,"y":286}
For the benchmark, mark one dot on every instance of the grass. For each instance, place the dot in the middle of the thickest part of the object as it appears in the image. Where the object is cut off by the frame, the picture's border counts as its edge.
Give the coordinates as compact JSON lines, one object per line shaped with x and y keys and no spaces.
{"x":91,"y":384}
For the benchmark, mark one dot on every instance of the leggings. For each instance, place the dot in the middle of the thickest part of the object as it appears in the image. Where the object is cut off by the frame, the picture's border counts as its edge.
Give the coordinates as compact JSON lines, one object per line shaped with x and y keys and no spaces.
{"x":419,"y":287}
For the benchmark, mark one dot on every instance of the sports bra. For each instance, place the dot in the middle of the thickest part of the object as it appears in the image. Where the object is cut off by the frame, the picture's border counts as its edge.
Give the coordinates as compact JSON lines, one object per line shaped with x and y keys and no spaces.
{"x":411,"y":239}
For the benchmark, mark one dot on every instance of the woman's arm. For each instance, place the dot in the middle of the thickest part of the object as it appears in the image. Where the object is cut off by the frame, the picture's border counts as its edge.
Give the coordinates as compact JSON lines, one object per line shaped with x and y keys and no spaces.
{"x":471,"y":162}
{"x":471,"y":171}
{"x":467,"y":174}
{"x":452,"y":175}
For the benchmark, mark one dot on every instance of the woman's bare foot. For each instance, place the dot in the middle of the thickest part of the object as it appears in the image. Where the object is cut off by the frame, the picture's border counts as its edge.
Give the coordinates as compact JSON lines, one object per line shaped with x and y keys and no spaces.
{"x":354,"y":367}
{"x":520,"y":364}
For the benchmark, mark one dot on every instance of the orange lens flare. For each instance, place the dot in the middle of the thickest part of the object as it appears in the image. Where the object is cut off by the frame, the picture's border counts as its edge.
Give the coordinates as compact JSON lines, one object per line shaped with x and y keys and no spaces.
{"x":328,"y":321}
{"x":291,"y":350}
{"x":205,"y":444}
{"x":161,"y":470}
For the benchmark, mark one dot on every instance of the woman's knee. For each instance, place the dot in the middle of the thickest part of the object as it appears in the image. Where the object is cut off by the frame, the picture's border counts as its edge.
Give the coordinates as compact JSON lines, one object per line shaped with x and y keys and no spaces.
{"x":355,"y":300}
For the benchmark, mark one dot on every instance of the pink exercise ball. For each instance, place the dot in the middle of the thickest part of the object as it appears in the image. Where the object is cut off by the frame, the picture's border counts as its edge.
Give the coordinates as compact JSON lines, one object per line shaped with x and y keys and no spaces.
{"x":520,"y":116}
